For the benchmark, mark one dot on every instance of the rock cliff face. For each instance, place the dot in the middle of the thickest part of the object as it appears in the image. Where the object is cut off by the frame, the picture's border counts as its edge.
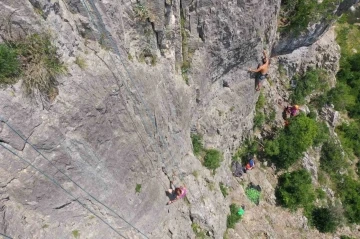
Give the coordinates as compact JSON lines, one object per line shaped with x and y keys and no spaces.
{"x":289,"y":42}
{"x":127,"y":114}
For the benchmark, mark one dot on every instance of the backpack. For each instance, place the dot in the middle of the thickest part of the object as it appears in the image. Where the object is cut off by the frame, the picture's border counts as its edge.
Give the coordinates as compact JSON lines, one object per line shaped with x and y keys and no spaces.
{"x":237,"y":169}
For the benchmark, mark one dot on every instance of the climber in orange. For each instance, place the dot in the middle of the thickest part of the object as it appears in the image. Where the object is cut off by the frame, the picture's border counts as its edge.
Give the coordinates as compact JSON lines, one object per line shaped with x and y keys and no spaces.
{"x":293,"y":110}
{"x":263,"y":70}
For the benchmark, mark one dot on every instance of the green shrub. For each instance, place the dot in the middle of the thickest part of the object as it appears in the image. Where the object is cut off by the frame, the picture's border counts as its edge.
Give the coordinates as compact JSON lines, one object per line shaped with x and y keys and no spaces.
{"x":259,"y":119}
{"x":295,"y":190}
{"x":346,"y":237}
{"x":320,"y":193}
{"x":9,"y":64}
{"x":223,"y":189}
{"x":331,"y":159}
{"x":350,"y":137}
{"x":311,"y":81}
{"x":349,"y":189}
{"x":196,"y":140}
{"x":292,"y":141}
{"x":234,"y":217}
{"x":322,"y":134}
{"x":341,"y":96}
{"x":141,"y":12}
{"x":42,"y":64}
{"x":324,"y":220}
{"x":199,"y":232}
{"x":260,"y":102}
{"x":272,"y":147}
{"x":253,"y":195}
{"x":212,"y":159}
{"x":247,"y":149}
{"x":76,"y":233}
{"x":298,"y":14}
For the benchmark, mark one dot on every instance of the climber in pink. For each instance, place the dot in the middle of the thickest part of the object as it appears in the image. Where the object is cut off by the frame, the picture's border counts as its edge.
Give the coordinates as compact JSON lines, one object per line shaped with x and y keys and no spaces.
{"x":293,"y":110}
{"x":176,"y":193}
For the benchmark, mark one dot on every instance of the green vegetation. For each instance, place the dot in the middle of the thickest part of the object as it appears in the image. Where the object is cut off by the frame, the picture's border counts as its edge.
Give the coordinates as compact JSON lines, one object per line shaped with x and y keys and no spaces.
{"x":336,"y":168}
{"x":211,"y":185}
{"x":199,"y":232}
{"x":325,"y":220}
{"x":223,"y":189}
{"x":292,"y":141}
{"x":39,"y":64}
{"x":346,"y":95}
{"x":346,"y":237}
{"x":312,"y":80}
{"x":80,"y":62}
{"x":9,"y":64}
{"x":332,"y":159}
{"x":253,"y":195}
{"x":141,"y":12}
{"x":234,"y":217}
{"x":42,"y":63}
{"x":296,"y":15}
{"x":138,"y":188}
{"x":212,"y":159}
{"x":249,"y":148}
{"x":349,"y":189}
{"x":295,"y":190}
{"x":76,"y":233}
{"x":320,"y":193}
{"x":198,"y":147}
{"x":259,"y":118}
{"x":349,"y":135}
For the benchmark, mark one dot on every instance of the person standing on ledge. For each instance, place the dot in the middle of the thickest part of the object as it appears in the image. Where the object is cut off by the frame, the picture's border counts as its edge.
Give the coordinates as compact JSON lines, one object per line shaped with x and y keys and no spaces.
{"x":263,"y":70}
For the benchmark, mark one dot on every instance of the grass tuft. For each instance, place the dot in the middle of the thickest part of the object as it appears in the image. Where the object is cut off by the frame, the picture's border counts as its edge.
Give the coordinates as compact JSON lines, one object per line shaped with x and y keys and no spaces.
{"x":138,"y":188}
{"x":80,"y":62}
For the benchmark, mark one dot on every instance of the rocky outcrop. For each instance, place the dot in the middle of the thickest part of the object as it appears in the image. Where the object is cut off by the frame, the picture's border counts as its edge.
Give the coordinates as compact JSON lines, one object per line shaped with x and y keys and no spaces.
{"x":289,"y":42}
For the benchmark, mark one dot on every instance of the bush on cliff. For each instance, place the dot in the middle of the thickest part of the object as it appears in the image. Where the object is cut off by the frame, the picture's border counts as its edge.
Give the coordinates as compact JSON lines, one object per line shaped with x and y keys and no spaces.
{"x":292,"y":141}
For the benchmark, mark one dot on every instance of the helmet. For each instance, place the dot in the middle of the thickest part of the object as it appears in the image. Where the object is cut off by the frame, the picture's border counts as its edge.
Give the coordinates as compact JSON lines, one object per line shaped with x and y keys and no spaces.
{"x":296,"y":107}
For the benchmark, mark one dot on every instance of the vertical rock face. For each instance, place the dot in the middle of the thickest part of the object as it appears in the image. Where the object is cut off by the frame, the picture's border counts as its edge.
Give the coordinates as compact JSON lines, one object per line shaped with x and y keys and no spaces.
{"x":127,"y":114}
{"x":115,"y":123}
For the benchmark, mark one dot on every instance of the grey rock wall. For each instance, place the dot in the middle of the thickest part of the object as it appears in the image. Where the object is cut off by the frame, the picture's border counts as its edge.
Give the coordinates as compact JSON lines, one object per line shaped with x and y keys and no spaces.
{"x":115,"y":123}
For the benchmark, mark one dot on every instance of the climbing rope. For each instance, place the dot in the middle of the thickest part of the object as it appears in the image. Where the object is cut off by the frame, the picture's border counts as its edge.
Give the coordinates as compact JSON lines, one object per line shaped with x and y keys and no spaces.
{"x":5,"y":236}
{"x":68,"y":177}
{"x":130,"y":77}
{"x":59,"y":185}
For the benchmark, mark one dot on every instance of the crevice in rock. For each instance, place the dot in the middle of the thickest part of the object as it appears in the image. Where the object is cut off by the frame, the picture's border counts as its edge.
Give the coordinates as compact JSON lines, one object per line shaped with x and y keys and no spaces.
{"x":6,"y":184}
{"x":158,"y":35}
{"x":200,"y":30}
{"x":62,"y":206}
